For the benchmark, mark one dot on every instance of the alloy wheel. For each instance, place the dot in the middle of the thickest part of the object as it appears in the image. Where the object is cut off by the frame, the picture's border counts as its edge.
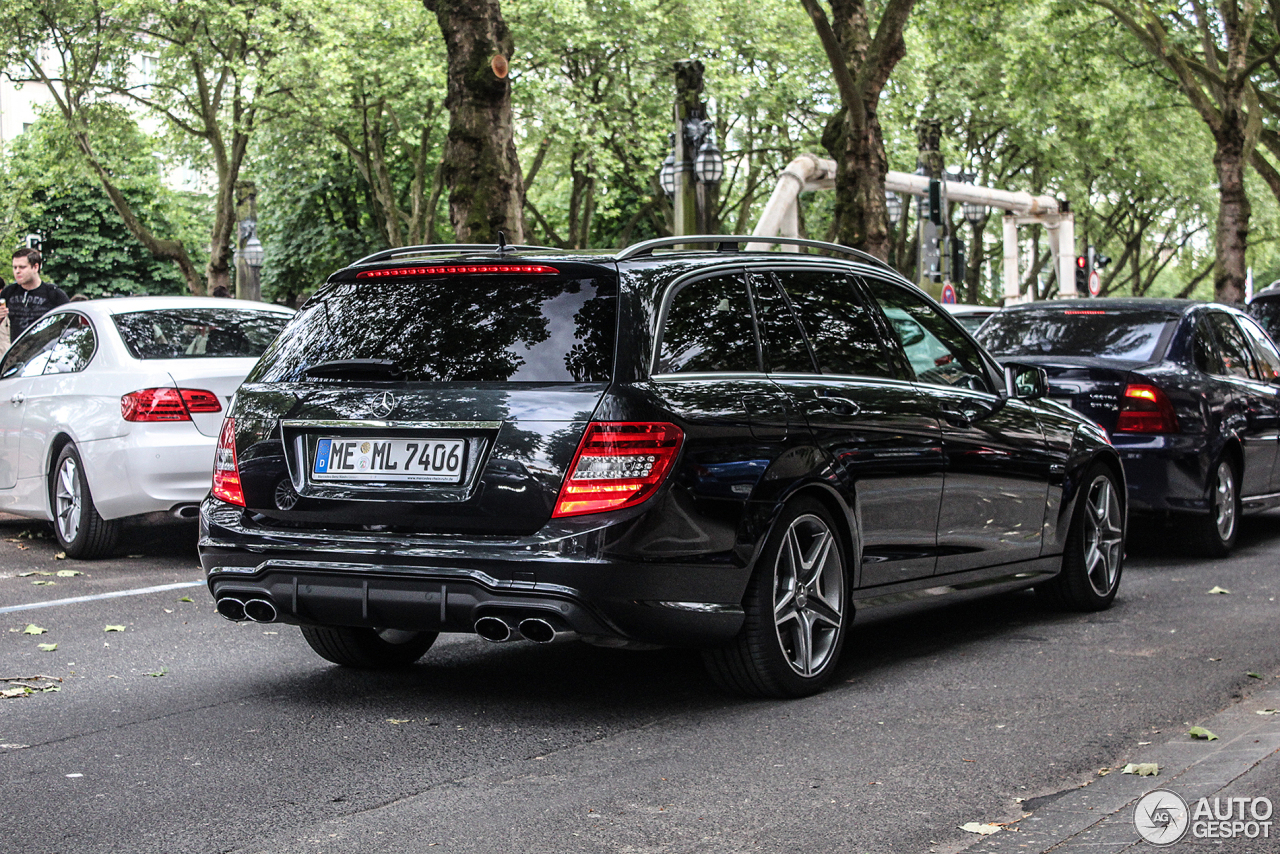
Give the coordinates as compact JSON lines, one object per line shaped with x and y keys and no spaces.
{"x":1224,"y":501}
{"x":1103,"y":535}
{"x":809,"y":596}
{"x":67,"y":500}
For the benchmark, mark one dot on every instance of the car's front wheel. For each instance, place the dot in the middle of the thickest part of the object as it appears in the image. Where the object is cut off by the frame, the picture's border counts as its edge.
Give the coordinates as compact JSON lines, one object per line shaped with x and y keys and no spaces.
{"x":81,"y":531}
{"x":1094,"y":554}
{"x":797,"y":610}
{"x":368,"y":649}
{"x":1215,"y":535}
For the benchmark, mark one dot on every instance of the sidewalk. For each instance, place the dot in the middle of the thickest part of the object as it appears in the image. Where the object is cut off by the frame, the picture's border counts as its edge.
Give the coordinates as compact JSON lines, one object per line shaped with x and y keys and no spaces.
{"x":1244,"y":761}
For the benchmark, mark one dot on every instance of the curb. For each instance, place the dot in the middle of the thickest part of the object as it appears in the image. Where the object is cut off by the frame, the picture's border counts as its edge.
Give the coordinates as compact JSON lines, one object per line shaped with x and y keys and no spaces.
{"x":1098,"y":817}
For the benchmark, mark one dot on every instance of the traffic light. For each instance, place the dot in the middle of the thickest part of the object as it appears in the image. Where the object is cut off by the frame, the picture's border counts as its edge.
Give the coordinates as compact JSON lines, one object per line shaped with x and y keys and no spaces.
{"x":957,"y":261}
{"x":1082,"y":274}
{"x":935,"y":201}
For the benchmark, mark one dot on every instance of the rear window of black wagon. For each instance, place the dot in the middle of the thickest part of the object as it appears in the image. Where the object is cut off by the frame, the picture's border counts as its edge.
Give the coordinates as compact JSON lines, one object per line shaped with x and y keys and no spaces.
{"x":465,"y":328}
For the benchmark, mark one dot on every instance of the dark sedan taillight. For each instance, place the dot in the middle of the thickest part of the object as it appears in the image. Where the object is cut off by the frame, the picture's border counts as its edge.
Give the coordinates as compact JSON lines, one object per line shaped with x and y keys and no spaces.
{"x":167,"y":404}
{"x":618,"y":464}
{"x":226,"y":468}
{"x":1145,"y":409}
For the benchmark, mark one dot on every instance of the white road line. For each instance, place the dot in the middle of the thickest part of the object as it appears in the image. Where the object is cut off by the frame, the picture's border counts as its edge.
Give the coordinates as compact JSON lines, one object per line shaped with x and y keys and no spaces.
{"x":141,"y":591}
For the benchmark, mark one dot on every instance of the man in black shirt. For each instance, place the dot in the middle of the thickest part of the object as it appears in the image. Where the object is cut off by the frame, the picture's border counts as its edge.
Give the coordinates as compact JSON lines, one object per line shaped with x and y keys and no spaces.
{"x":27,"y":298}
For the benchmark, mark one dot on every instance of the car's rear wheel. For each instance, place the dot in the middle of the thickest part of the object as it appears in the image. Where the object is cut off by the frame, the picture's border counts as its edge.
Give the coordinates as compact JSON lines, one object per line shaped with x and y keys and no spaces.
{"x":797,"y":610}
{"x":80,"y":530}
{"x":1214,"y":535}
{"x":368,"y":649}
{"x":1094,"y":555}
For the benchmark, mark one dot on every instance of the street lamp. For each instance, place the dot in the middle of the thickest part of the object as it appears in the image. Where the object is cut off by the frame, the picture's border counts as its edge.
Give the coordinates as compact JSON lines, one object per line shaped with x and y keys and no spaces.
{"x":667,"y":175}
{"x":253,"y":253}
{"x":708,"y":166}
{"x":893,"y":202}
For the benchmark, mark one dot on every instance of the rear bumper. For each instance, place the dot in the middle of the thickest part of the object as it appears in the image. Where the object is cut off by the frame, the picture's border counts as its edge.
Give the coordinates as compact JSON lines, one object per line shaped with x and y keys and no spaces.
{"x":446,"y":584}
{"x":1165,"y":474}
{"x":151,"y":469}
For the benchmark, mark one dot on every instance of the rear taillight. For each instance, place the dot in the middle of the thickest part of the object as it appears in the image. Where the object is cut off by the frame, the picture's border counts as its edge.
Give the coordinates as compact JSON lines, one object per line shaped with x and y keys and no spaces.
{"x":226,"y":468}
{"x":167,"y":404}
{"x":1145,"y":409}
{"x":618,"y":464}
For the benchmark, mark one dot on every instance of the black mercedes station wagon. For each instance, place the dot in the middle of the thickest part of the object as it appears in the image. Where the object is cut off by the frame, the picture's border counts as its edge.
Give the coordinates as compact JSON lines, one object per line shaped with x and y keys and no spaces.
{"x":729,"y":450}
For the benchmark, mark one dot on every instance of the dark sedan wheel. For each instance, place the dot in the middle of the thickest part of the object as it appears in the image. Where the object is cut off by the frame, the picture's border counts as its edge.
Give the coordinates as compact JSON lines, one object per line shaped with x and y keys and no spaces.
{"x":797,"y":611}
{"x":81,"y":532}
{"x":368,"y":649}
{"x":1094,"y":555}
{"x":1215,"y":535}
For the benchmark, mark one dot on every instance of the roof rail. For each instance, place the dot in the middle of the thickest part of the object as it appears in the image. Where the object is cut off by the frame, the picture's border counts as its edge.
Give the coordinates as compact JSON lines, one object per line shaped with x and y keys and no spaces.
{"x":447,"y":248}
{"x":729,"y":243}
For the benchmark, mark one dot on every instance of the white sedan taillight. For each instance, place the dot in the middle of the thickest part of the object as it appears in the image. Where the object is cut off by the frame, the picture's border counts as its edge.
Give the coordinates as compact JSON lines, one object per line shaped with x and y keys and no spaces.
{"x":167,"y":404}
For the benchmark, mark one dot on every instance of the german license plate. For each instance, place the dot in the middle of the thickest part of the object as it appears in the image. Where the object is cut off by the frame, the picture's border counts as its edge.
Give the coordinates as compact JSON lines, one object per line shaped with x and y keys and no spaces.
{"x":421,"y":460}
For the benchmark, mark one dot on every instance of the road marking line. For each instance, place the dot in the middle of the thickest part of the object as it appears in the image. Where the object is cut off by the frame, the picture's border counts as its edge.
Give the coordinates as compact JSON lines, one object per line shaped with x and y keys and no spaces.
{"x":141,"y":591}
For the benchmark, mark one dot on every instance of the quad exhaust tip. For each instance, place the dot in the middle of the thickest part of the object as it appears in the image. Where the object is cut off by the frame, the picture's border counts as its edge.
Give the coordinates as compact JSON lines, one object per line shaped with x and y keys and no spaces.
{"x":503,"y":629}
{"x":494,"y":629}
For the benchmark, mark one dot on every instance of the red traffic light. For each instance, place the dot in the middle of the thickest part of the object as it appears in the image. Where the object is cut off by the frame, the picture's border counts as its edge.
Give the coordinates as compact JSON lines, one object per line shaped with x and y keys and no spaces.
{"x":1082,"y":262}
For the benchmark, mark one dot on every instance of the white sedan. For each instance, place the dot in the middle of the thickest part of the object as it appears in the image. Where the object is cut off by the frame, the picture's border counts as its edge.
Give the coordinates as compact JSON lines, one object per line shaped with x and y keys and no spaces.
{"x":114,"y":408}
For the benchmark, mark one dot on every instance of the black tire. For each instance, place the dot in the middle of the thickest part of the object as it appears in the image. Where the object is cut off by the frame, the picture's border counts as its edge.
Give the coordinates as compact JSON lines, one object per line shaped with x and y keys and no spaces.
{"x":1214,"y":535}
{"x":1094,"y":556}
{"x":797,"y":610}
{"x":80,"y":530}
{"x":368,"y":649}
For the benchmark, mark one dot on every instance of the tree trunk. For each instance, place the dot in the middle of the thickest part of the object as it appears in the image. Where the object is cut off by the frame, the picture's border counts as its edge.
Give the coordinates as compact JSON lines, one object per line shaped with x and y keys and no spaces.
{"x":861,"y":63}
{"x":1233,"y":219}
{"x":480,"y":165}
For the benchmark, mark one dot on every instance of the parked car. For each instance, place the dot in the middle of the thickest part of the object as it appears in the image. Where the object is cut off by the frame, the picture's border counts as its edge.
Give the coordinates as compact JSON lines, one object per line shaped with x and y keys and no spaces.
{"x":1186,"y":390}
{"x":970,"y":316}
{"x":115,"y":406}
{"x":1265,"y":308}
{"x":729,"y":450}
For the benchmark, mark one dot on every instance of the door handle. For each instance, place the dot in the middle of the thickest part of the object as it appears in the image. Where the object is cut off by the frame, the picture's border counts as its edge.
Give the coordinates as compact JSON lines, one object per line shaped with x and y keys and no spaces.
{"x":17,"y":398}
{"x":957,"y":418}
{"x":836,"y":405}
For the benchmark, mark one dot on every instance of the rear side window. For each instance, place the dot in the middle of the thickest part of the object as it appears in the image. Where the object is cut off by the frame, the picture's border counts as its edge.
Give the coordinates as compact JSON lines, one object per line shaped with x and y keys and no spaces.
{"x":1236,"y":358}
{"x":709,"y":329}
{"x":1263,"y":347}
{"x":1127,"y":334}
{"x":467,"y":328}
{"x":74,"y":349}
{"x":197,"y":333}
{"x":841,"y":329}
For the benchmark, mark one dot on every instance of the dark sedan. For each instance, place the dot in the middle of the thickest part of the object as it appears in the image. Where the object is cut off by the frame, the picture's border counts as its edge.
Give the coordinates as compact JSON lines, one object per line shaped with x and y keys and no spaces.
{"x":1188,"y":392}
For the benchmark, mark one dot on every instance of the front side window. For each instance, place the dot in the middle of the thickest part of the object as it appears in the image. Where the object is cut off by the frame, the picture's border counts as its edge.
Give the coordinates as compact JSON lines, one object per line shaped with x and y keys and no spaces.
{"x":938,"y":351}
{"x":73,"y":349}
{"x":841,"y":329}
{"x":709,"y":329}
{"x":30,"y":353}
{"x":1263,"y":347}
{"x":1236,"y":360}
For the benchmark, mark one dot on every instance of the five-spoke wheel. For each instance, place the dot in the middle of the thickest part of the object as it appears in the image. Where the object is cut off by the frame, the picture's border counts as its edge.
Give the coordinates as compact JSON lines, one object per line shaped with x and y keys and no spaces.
{"x":1094,"y":554}
{"x":796,"y":610}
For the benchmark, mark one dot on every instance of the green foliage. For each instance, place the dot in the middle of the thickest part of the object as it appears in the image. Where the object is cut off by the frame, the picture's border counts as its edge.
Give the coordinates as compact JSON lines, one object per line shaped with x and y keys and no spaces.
{"x":47,"y":190}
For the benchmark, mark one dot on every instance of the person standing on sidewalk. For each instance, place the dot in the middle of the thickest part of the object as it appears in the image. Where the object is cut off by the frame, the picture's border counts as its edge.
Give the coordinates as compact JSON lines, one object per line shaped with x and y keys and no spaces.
{"x":28,"y":297}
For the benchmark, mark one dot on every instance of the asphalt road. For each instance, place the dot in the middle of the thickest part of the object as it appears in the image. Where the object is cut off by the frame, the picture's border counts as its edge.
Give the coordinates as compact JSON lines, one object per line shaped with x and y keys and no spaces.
{"x":186,"y":733}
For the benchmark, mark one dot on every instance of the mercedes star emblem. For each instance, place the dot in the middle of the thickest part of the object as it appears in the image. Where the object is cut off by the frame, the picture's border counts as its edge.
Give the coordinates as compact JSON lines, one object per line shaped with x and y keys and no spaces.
{"x":383,"y":405}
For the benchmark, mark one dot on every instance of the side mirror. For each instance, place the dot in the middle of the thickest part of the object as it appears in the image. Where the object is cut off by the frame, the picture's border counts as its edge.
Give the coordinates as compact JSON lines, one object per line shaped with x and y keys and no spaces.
{"x":1025,"y":382}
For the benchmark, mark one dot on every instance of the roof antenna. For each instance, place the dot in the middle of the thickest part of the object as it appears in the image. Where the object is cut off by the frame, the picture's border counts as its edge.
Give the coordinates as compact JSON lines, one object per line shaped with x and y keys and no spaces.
{"x":502,"y":241}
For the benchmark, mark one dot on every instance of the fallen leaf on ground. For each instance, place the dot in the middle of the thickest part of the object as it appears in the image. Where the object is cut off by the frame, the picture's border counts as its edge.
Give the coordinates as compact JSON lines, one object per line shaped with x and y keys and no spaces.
{"x":186,"y":599}
{"x":33,"y":629}
{"x":162,"y":671}
{"x":1102,"y":772}
{"x":1142,"y":769}
{"x":60,"y":556}
{"x":397,"y":721}
{"x":42,"y":581}
{"x":10,"y":693}
{"x":46,"y":647}
{"x":114,"y":629}
{"x":1253,"y":674}
{"x":1219,"y":590}
{"x":1267,"y":711}
{"x":33,"y":572}
{"x":979,"y":828}
{"x":1201,"y":732}
{"x":68,"y":573}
